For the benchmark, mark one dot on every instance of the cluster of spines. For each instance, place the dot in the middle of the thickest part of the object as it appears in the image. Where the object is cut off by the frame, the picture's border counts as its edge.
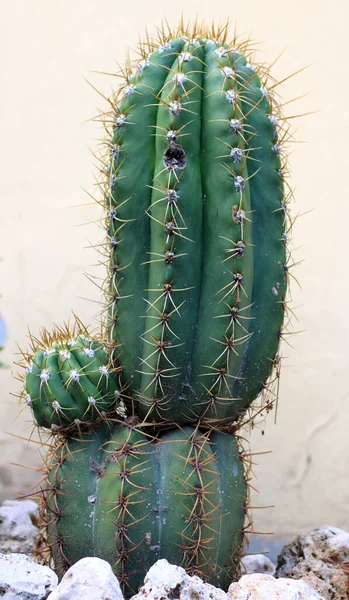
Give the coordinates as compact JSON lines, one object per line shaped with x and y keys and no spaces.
{"x":199,"y":533}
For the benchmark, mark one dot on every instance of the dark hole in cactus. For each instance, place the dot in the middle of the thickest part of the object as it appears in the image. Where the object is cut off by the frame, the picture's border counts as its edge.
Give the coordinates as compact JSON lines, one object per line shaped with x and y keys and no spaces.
{"x":174,"y":157}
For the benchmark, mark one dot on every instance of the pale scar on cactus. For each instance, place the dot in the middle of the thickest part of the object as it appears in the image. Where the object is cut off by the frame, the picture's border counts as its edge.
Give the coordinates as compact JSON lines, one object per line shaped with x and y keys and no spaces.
{"x":132,"y":499}
{"x":68,"y":381}
{"x":197,"y":221}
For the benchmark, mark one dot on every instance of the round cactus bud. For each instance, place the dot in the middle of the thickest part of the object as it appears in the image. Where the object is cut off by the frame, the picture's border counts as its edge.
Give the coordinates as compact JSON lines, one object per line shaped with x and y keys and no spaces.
{"x":68,"y":380}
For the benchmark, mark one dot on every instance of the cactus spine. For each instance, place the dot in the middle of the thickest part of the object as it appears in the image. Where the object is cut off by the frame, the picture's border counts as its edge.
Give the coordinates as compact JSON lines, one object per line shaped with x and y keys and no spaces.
{"x":196,"y":248}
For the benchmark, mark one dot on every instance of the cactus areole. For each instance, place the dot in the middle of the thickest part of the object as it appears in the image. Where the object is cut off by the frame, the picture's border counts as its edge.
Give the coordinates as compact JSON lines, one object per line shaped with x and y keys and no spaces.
{"x":195,"y":219}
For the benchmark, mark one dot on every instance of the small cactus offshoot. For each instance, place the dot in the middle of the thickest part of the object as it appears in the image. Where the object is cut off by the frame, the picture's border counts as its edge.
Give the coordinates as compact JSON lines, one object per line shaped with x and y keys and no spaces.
{"x":68,"y":379}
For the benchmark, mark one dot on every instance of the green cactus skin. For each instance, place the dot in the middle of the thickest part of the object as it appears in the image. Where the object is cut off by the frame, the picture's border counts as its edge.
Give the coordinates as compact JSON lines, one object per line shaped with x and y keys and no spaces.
{"x":68,"y":381}
{"x":196,"y":237}
{"x":129,"y":499}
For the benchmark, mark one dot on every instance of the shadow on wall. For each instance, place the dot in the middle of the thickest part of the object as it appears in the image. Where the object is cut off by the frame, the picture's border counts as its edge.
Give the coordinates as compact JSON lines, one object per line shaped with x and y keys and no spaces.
{"x":3,"y":335}
{"x":270,"y":544}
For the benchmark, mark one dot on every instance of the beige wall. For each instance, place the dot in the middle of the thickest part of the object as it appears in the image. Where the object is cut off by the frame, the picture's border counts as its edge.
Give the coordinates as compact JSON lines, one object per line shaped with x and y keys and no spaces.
{"x":47,"y":46}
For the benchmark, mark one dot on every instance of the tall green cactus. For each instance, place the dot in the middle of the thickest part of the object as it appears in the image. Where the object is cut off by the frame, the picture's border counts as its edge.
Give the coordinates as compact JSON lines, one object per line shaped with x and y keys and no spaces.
{"x":195,"y":230}
{"x":131,"y":500}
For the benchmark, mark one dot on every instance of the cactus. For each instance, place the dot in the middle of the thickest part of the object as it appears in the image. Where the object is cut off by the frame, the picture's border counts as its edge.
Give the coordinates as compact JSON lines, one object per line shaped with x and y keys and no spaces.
{"x":196,"y":224}
{"x":68,"y":381}
{"x":131,"y":500}
{"x":196,"y":233}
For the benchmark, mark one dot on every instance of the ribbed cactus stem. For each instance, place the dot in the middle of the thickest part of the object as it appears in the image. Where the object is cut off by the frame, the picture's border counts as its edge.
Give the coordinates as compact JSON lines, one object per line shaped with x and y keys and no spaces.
{"x":196,"y":232}
{"x":131,"y":500}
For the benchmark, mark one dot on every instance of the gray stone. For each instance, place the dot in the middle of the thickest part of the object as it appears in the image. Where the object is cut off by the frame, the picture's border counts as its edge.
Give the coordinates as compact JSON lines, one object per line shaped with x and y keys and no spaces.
{"x":89,"y":579}
{"x":21,"y":578}
{"x":320,"y":557}
{"x":167,"y":582}
{"x":259,"y":586}
{"x":18,"y":531}
{"x":257,"y":563}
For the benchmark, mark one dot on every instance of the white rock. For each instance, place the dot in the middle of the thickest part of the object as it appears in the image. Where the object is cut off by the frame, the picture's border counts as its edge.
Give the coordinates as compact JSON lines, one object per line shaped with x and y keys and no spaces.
{"x":164,"y":580}
{"x":89,"y":579}
{"x":257,"y":563}
{"x":258,"y":586}
{"x":21,"y":578}
{"x":17,"y":526}
{"x":318,"y":557}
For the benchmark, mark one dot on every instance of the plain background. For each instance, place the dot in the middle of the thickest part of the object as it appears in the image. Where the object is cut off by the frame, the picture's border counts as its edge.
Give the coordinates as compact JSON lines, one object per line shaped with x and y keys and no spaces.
{"x":47,"y":47}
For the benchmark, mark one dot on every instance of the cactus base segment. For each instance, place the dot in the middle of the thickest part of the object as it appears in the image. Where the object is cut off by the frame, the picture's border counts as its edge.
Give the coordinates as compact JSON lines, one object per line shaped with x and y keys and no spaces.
{"x":131,"y":500}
